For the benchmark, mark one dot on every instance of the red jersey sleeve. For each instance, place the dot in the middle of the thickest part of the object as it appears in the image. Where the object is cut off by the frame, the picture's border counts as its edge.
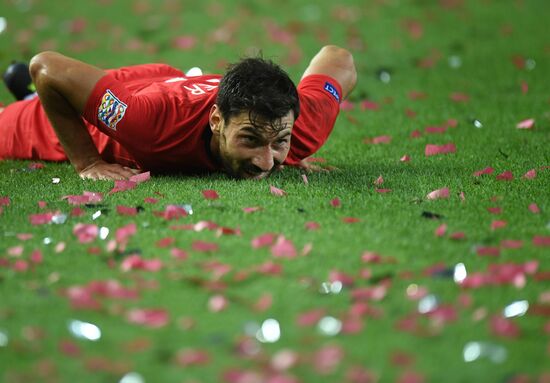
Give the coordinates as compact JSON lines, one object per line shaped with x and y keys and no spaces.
{"x":132,"y":119}
{"x":134,"y":72}
{"x":320,"y":97}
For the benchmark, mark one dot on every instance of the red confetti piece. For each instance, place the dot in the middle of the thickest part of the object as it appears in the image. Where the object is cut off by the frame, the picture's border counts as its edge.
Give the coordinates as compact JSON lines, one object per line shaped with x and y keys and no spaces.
{"x":123,"y":185}
{"x":179,"y":254}
{"x":533,"y":208}
{"x":85,"y":233}
{"x":524,"y":87}
{"x":327,"y":359}
{"x":459,"y":235}
{"x":5,"y":201}
{"x":336,"y":202}
{"x":495,"y":210}
{"x":416,"y":133}
{"x":283,"y":248}
{"x":435,"y":129}
{"x":526,"y":124}
{"x":36,"y":257}
{"x":77,"y":212}
{"x":165,"y":242}
{"x":505,"y":176}
{"x":530,"y":174}
{"x":210,"y":194}
{"x":310,"y":318}
{"x":498,"y":224}
{"x":488,"y":251}
{"x":42,"y":204}
{"x":541,"y":241}
{"x":154,"y":318}
{"x":417,"y":95}
{"x":85,"y":198}
{"x":123,"y":233}
{"x":20,"y":265}
{"x":36,"y":165}
{"x":432,"y":150}
{"x":312,"y":225}
{"x":410,"y":113}
{"x":488,"y":170}
{"x":202,"y":246}
{"x":172,"y":212}
{"x":150,"y":200}
{"x":269,"y":268}
{"x":217,"y":303}
{"x":441,"y":230}
{"x":351,"y":219}
{"x":347,"y":105}
{"x":252,"y":209}
{"x":439,"y":193}
{"x":192,"y":357}
{"x":263,"y":240}
{"x":126,"y":210}
{"x":276,"y":191}
{"x":69,"y":348}
{"x":405,"y":158}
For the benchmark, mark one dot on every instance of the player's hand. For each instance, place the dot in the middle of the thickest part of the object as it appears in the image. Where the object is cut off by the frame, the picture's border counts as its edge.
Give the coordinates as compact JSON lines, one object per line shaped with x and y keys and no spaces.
{"x":101,"y":170}
{"x":310,"y":167}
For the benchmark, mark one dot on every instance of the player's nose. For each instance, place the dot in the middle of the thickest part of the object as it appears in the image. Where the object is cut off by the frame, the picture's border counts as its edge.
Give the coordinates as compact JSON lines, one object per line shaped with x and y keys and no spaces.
{"x":263,"y":159}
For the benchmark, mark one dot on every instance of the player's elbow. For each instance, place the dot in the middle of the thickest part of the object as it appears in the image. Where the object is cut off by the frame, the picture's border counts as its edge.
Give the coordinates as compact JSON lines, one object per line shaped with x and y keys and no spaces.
{"x":343,"y":59}
{"x":41,"y":66}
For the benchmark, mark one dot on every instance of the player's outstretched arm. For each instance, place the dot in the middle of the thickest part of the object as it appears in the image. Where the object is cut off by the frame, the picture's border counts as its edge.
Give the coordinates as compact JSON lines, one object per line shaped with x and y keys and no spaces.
{"x":337,"y":63}
{"x":64,"y":85}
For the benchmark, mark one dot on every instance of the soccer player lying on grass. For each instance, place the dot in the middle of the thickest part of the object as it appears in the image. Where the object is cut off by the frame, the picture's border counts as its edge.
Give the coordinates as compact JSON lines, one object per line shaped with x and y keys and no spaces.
{"x":112,"y":124}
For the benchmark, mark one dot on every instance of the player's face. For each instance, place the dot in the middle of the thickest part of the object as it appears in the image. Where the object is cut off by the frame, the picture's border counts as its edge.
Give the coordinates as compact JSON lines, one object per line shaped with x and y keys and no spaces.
{"x":249,"y":151}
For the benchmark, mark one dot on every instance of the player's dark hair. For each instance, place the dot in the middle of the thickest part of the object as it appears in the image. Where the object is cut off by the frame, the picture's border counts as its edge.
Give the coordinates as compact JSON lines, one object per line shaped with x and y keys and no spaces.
{"x":259,"y":87}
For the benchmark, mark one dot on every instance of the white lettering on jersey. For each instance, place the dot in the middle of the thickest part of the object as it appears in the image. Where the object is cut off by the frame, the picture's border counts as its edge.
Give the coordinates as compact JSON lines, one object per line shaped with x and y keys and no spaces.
{"x":198,"y":89}
{"x":176,"y":79}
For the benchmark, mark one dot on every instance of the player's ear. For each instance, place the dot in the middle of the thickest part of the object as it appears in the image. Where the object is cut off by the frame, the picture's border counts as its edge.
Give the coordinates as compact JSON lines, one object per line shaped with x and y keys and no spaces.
{"x":215,"y":119}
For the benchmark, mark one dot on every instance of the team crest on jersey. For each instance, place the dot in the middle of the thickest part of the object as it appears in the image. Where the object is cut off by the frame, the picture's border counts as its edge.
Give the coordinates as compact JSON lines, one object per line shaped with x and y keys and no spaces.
{"x":332,"y":90}
{"x":111,"y":110}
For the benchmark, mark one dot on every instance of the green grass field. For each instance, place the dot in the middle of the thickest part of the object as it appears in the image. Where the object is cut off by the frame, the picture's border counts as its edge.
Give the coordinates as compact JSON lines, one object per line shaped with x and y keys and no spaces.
{"x":361,"y":281}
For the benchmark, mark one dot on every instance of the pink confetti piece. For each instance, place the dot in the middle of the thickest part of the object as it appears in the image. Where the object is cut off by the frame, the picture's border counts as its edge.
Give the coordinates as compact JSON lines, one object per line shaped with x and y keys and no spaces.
{"x":77,"y":212}
{"x":336,"y":202}
{"x":459,"y":97}
{"x":530,"y":174}
{"x":69,"y":348}
{"x":327,"y":359}
{"x":15,"y":251}
{"x":24,"y":236}
{"x":505,"y":176}
{"x":441,"y":230}
{"x":526,"y":124}
{"x":369,"y":105}
{"x":347,"y":105}
{"x":457,"y":236}
{"x":432,"y":150}
{"x":263,"y":240}
{"x":41,"y":219}
{"x":20,"y":265}
{"x":36,"y":166}
{"x":210,"y":194}
{"x":504,"y":327}
{"x":524,"y":87}
{"x":150,"y":200}
{"x":345,"y":279}
{"x":495,"y":210}
{"x":417,"y":95}
{"x":172,"y":212}
{"x":308,"y":247}
{"x":5,"y":201}
{"x":192,"y":357}
{"x":416,"y":133}
{"x":310,"y":318}
{"x":439,"y":193}
{"x":264,"y":302}
{"x":179,"y":254}
{"x":310,"y":225}
{"x":305,"y":180}
{"x":185,"y":42}
{"x":252,"y":209}
{"x":204,"y":247}
{"x":122,"y":185}
{"x":410,"y":113}
{"x":123,"y":233}
{"x":533,"y":208}
{"x":435,"y":129}
{"x":276,"y":191}
{"x":217,"y":303}
{"x":283,"y":248}
{"x":36,"y":257}
{"x":85,"y":233}
{"x":498,"y":224}
{"x":378,"y":140}
{"x":85,"y":198}
{"x":511,"y":244}
{"x":42,"y":204}
{"x":487,"y":170}
{"x":541,"y":241}
{"x":383,"y":191}
{"x":379,"y":180}
{"x":135,"y":262}
{"x":153,"y":318}
{"x":165,"y":242}
{"x":126,"y":210}
{"x":452,"y":123}
{"x":405,"y":158}
{"x":141,"y":177}
{"x":270,"y":268}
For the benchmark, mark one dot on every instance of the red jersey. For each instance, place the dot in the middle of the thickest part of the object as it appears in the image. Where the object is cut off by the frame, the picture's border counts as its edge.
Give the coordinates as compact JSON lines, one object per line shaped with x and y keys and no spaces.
{"x":154,"y":117}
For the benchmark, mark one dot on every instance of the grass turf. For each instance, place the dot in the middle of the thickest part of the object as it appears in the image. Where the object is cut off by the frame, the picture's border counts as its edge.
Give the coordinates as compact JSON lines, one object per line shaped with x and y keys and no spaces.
{"x":496,"y":42}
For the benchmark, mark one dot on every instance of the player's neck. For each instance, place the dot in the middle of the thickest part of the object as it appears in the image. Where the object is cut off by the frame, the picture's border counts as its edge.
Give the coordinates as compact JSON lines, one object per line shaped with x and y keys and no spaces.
{"x":215,"y":148}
